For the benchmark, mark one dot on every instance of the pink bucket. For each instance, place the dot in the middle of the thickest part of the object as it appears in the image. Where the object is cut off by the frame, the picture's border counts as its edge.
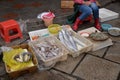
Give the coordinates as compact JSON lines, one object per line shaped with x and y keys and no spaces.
{"x":48,"y":18}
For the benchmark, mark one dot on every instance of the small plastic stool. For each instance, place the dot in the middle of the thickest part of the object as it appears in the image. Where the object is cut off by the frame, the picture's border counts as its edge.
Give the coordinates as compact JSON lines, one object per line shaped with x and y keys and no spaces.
{"x":10,"y":30}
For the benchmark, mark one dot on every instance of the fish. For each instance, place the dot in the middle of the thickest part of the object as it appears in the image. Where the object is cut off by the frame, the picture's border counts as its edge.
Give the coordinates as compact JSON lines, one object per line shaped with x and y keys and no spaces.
{"x":60,"y":36}
{"x":71,"y":40}
{"x":79,"y":42}
{"x":67,"y":41}
{"x":65,"y":38}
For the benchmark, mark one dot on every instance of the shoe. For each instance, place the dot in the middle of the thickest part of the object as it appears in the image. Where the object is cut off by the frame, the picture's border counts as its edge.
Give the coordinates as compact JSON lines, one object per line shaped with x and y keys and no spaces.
{"x":77,"y":22}
{"x":97,"y":25}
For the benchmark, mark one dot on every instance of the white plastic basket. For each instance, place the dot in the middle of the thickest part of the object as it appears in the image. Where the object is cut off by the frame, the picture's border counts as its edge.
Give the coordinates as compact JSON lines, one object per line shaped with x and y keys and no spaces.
{"x":86,"y":48}
{"x":83,"y":41}
{"x":47,"y":62}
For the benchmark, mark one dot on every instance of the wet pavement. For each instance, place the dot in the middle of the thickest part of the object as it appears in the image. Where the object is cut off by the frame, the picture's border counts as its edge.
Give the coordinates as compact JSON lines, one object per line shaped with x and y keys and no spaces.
{"x":103,"y":64}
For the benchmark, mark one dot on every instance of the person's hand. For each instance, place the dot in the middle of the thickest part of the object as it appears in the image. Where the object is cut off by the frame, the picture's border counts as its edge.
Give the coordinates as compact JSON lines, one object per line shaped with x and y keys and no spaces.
{"x":87,"y":3}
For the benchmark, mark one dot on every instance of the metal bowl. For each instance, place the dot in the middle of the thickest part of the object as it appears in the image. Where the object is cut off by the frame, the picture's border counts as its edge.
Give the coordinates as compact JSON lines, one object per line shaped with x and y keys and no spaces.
{"x":114,"y":31}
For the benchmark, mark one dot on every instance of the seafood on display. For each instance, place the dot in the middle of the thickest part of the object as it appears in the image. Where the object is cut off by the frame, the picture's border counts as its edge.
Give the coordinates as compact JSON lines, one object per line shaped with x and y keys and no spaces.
{"x":23,"y":57}
{"x":98,"y":36}
{"x":69,"y":40}
{"x":48,"y":49}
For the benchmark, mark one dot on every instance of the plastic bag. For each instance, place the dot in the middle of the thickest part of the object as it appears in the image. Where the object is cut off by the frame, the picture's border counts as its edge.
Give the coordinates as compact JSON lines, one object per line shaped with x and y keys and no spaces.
{"x":8,"y":58}
{"x":5,"y":48}
{"x":23,"y":25}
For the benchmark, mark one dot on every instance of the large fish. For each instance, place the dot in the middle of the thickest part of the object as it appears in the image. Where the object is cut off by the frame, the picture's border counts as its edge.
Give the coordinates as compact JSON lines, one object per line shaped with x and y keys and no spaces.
{"x":71,"y":40}
{"x":64,"y":36}
{"x":79,"y":42}
{"x":66,"y":40}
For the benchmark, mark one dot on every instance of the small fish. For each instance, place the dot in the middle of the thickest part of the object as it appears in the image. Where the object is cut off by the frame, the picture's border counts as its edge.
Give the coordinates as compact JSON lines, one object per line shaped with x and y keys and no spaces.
{"x":66,"y":40}
{"x":71,"y":40}
{"x":79,"y":42}
{"x":60,"y":35}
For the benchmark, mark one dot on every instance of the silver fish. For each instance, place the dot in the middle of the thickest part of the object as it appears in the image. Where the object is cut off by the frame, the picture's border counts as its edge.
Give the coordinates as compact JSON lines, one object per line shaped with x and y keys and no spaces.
{"x":71,"y":40}
{"x":66,"y":40}
{"x":79,"y":42}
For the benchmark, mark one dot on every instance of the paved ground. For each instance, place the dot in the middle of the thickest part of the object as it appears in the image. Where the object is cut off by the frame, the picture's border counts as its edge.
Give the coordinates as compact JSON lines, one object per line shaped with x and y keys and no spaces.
{"x":103,"y":64}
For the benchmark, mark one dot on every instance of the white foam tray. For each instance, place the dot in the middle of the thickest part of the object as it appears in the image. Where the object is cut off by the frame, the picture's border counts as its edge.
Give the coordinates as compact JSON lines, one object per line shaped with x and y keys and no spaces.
{"x":97,"y":44}
{"x":40,"y":33}
{"x":106,"y":14}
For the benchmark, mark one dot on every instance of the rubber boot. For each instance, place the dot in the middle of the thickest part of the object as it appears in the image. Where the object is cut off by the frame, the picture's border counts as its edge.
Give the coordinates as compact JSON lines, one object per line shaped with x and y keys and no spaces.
{"x":97,"y":25}
{"x":77,"y":22}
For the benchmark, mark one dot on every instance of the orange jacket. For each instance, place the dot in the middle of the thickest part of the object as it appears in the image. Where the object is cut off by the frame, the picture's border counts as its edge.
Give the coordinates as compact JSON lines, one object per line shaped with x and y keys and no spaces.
{"x":81,"y":1}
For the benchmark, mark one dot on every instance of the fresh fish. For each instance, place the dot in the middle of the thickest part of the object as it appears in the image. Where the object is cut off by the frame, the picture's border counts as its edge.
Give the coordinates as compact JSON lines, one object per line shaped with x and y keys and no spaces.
{"x":66,"y":40}
{"x":79,"y":42}
{"x":60,"y":35}
{"x":71,"y":40}
{"x":53,"y":53}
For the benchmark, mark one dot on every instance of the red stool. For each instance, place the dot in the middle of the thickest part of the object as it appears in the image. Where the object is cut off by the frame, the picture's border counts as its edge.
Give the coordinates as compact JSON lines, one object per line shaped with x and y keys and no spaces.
{"x":10,"y":30}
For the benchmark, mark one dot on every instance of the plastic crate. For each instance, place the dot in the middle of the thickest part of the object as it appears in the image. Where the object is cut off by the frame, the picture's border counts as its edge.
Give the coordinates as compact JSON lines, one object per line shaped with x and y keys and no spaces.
{"x":86,"y":48}
{"x":48,"y":62}
{"x":14,"y":74}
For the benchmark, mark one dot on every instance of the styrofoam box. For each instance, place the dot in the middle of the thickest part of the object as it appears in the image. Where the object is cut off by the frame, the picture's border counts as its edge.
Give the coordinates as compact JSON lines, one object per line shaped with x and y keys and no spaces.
{"x":105,"y":14}
{"x":38,"y":33}
{"x":96,"y":44}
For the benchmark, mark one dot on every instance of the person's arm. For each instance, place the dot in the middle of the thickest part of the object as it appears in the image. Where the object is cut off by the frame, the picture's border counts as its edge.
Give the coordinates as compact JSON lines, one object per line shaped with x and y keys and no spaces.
{"x":92,"y":0}
{"x":79,"y":1}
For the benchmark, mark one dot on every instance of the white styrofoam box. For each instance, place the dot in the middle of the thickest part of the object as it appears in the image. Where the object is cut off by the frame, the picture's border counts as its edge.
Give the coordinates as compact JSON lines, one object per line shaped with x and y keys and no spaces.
{"x":106,"y":14}
{"x":96,"y":44}
{"x":38,"y":33}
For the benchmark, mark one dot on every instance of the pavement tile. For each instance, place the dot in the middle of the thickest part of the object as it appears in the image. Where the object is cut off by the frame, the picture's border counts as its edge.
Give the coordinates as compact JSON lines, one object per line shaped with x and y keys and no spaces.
{"x":104,"y":2}
{"x":68,"y":65}
{"x":94,"y":68}
{"x":99,"y":52}
{"x":42,"y":75}
{"x":2,"y":69}
{"x":114,"y":52}
{"x":10,"y":15}
{"x":64,"y":75}
{"x":14,"y":41}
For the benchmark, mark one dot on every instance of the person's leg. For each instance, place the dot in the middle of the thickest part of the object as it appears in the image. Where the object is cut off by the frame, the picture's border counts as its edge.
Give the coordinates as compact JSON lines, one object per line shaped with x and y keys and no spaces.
{"x":85,"y":12}
{"x":95,"y":11}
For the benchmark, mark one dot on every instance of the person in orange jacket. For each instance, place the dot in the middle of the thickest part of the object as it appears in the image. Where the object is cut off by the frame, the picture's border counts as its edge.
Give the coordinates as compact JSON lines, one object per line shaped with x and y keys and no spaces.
{"x":87,"y":7}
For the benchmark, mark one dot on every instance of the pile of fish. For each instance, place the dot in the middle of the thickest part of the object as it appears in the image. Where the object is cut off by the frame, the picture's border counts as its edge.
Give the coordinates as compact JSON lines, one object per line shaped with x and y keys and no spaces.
{"x":70,"y":41}
{"x":47,"y":49}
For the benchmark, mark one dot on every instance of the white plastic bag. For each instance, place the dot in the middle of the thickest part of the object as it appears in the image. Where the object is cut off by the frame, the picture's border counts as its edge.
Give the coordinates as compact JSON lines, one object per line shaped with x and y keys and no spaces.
{"x":23,"y":25}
